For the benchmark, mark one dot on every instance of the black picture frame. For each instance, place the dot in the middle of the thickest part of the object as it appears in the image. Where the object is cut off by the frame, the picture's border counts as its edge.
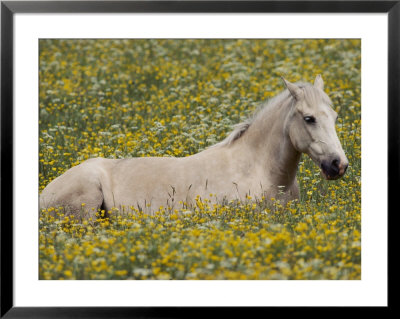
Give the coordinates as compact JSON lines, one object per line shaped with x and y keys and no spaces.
{"x":9,"y":8}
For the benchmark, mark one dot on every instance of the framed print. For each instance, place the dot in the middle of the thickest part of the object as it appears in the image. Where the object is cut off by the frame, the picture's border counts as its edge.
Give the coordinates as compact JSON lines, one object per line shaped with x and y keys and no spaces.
{"x":163,"y":155}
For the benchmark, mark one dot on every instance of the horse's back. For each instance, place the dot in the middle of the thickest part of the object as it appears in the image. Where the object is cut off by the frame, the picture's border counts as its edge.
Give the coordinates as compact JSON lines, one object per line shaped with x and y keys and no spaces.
{"x":150,"y":182}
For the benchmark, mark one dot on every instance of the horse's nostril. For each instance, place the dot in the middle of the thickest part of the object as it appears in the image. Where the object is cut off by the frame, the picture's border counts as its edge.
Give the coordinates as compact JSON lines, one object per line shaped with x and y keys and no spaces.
{"x":335,"y":163}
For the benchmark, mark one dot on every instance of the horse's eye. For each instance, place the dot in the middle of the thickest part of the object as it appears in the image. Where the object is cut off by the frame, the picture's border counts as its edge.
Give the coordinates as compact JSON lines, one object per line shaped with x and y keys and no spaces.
{"x":309,"y":119}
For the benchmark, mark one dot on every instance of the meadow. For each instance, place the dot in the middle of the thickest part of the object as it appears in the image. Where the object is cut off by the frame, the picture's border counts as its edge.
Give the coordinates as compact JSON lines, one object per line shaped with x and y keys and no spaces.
{"x":131,"y":98}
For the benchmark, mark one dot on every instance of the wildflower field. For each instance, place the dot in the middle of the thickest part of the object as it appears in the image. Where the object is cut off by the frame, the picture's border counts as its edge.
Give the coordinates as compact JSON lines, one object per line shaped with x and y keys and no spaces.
{"x":131,"y":98}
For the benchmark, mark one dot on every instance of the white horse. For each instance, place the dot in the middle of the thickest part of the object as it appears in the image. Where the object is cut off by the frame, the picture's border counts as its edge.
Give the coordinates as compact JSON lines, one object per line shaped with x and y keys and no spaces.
{"x":259,"y":158}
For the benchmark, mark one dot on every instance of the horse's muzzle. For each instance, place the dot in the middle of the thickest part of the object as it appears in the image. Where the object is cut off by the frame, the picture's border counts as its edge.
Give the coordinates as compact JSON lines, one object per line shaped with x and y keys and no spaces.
{"x":333,"y":167}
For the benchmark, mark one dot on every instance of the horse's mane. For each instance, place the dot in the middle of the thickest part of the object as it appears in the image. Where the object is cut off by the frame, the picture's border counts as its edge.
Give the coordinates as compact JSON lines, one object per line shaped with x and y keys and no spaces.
{"x":241,"y":128}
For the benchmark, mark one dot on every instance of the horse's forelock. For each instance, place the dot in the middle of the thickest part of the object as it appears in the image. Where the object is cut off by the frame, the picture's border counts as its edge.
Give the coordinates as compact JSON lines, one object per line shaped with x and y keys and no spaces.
{"x":313,"y":96}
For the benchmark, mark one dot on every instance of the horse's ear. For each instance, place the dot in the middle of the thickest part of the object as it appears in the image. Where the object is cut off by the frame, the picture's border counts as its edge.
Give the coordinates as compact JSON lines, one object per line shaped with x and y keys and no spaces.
{"x":318,"y":82}
{"x":296,"y":92}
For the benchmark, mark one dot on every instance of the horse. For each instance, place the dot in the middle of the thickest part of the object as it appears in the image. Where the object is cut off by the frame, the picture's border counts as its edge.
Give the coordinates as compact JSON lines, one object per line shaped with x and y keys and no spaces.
{"x":258,"y":158}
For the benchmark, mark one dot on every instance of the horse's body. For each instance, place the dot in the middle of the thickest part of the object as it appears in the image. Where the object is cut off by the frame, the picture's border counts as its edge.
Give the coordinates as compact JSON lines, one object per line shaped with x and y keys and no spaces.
{"x":259,"y":158}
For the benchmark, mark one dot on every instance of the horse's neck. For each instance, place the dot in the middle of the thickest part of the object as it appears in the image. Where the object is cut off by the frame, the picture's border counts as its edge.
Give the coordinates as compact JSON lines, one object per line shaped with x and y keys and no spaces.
{"x":271,"y":147}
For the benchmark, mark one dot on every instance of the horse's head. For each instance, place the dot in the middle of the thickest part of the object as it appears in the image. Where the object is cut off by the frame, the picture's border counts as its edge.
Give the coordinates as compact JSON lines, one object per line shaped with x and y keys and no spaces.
{"x":311,"y":128}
